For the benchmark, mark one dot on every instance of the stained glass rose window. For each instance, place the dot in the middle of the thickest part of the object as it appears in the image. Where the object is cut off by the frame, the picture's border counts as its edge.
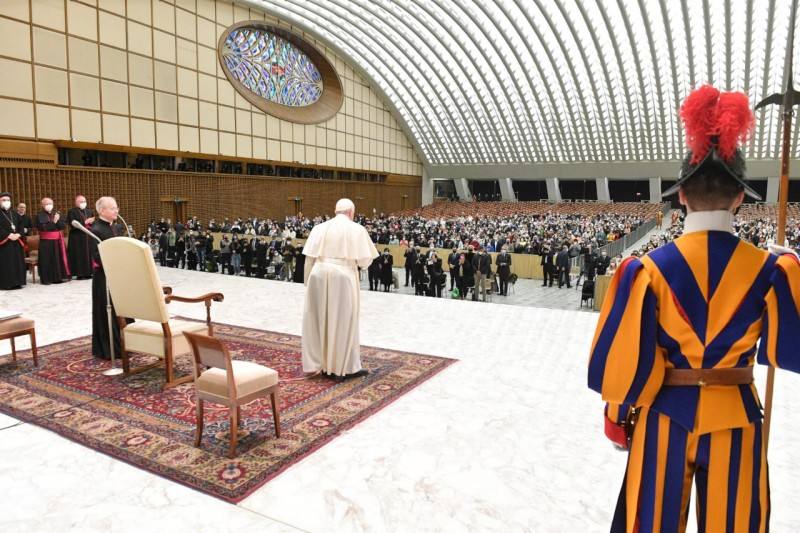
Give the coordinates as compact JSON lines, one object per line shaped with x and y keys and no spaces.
{"x":280,"y":72}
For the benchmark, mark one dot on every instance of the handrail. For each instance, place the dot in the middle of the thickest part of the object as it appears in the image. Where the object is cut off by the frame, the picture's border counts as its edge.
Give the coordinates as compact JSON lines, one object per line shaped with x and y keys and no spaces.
{"x":617,"y":247}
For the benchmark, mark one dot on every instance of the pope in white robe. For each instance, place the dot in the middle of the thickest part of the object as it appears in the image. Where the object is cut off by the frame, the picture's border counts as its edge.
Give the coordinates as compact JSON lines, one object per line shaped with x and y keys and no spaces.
{"x":334,"y":251}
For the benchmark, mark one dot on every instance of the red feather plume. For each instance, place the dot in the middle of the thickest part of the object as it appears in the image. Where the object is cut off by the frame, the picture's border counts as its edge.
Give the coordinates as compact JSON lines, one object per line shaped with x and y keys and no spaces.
{"x":734,"y":122}
{"x":707,"y":113}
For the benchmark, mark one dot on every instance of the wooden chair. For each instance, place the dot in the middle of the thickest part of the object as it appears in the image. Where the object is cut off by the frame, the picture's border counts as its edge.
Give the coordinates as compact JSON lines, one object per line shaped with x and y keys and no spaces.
{"x":32,"y":261}
{"x":16,"y":327}
{"x":137,"y":293}
{"x":219,"y":379}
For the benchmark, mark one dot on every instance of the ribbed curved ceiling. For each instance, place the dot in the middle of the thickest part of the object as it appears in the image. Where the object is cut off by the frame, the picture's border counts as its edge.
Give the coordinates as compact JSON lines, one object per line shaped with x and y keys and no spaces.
{"x":527,"y":81}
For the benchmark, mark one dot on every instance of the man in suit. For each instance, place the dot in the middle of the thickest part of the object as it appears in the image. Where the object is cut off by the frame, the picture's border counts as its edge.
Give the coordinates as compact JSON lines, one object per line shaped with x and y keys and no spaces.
{"x":503,"y":270}
{"x":562,"y":267}
{"x":548,"y":266}
{"x":261,"y":257}
{"x":602,"y":263}
{"x":482,"y":264}
{"x":410,"y":256}
{"x":163,"y":241}
{"x":374,"y":274}
{"x":452,"y":262}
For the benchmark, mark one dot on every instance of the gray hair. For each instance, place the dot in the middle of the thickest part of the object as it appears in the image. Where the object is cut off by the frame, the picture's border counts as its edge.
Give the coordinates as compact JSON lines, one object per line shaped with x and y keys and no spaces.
{"x":102,"y":202}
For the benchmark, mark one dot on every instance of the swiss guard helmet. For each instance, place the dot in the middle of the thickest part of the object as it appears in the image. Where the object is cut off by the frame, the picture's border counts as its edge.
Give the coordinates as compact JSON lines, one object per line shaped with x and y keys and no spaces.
{"x":715,"y":123}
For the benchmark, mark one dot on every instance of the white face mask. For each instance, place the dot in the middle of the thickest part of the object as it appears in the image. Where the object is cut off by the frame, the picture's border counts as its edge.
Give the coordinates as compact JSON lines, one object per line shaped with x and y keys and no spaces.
{"x":82,"y":205}
{"x":48,"y":207}
{"x":5,"y":204}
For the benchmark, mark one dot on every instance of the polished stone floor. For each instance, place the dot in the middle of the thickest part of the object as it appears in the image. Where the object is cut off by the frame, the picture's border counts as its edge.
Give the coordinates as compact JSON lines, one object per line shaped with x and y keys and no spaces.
{"x":508,"y":439}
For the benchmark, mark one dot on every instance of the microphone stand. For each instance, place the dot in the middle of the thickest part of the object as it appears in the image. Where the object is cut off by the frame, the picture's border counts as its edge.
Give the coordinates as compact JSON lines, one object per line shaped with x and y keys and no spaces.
{"x":114,"y":370}
{"x":127,"y":227}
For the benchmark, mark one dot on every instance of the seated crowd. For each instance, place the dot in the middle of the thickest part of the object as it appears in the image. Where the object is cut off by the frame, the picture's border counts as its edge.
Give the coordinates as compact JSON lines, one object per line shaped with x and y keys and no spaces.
{"x":526,"y":227}
{"x":754,"y":223}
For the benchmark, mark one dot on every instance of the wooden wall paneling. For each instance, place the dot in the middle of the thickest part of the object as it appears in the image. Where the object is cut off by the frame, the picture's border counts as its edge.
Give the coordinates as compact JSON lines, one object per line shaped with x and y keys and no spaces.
{"x":138,"y":192}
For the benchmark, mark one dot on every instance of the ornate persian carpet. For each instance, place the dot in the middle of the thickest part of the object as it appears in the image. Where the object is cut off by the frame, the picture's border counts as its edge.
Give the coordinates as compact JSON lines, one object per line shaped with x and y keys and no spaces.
{"x":132,"y":419}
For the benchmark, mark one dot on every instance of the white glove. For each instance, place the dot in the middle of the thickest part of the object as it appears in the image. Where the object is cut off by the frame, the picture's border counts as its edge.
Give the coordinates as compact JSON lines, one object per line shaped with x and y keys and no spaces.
{"x":780,"y":250}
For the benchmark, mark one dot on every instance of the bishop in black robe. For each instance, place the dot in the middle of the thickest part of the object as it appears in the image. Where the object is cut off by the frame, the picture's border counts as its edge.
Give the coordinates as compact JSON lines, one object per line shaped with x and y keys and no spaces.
{"x":78,"y":250}
{"x":12,"y":252}
{"x":53,"y":265}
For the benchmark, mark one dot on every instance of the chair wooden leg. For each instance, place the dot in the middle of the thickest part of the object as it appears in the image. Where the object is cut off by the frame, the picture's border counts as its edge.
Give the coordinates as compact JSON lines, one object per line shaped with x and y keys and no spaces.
{"x":234,"y":433}
{"x":126,"y":360}
{"x":167,"y":353}
{"x":199,"y":430}
{"x":275,"y":416}
{"x":239,"y":414}
{"x":33,"y":348}
{"x":13,"y":349}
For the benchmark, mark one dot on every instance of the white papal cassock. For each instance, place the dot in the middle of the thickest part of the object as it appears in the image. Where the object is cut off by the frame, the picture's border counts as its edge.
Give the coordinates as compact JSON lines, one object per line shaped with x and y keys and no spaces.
{"x":333,"y":251}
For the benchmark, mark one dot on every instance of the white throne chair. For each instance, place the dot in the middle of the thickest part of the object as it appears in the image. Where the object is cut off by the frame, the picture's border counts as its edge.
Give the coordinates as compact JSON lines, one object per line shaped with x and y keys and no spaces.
{"x":136,"y":293}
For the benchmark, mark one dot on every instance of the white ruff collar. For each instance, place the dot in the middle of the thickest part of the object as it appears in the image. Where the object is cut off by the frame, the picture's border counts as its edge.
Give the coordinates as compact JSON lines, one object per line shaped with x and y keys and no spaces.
{"x":721,"y":220}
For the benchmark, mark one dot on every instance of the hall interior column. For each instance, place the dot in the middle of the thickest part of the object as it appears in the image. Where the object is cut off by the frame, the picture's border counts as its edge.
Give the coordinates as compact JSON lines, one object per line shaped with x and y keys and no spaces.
{"x":507,"y":190}
{"x":553,"y":192}
{"x":773,"y":183}
{"x":462,"y":189}
{"x":655,"y":190}
{"x":427,"y":188}
{"x":603,"y":194}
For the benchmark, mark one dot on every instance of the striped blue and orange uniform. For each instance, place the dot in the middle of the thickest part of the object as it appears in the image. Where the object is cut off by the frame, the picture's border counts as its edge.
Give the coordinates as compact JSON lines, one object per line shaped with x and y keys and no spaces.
{"x":706,"y":300}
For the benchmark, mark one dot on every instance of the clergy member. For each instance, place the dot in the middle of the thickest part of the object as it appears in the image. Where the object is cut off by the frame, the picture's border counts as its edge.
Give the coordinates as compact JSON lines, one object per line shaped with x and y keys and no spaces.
{"x":104,"y":228}
{"x":53,"y":266}
{"x":334,"y":251}
{"x":12,"y":252}
{"x":25,"y":223}
{"x":78,"y":252}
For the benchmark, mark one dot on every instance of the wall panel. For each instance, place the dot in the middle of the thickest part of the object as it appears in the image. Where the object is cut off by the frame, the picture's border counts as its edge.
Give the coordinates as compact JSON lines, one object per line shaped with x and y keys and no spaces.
{"x":86,"y":44}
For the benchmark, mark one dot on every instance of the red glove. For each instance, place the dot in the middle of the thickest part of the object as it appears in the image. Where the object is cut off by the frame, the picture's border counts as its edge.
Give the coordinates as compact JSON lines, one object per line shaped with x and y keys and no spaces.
{"x":616,"y":433}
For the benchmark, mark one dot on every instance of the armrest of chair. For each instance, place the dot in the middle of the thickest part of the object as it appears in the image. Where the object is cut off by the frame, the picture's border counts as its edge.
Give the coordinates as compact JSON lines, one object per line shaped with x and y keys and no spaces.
{"x":215,"y":296}
{"x":207,"y":298}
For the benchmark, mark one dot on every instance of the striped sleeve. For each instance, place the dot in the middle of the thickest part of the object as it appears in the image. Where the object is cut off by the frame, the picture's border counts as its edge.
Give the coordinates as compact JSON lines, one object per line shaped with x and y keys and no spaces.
{"x":625,"y":367}
{"x":780,"y":330}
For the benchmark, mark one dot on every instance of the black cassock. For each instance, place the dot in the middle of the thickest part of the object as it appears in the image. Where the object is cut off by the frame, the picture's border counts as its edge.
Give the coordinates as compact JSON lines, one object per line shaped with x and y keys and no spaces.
{"x":12,"y":255}
{"x":78,"y":251}
{"x":52,"y":252}
{"x":100,"y":348}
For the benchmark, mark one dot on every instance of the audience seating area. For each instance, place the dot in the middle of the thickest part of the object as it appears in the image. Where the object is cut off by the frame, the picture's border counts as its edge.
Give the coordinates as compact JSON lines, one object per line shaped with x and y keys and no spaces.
{"x":449,"y":210}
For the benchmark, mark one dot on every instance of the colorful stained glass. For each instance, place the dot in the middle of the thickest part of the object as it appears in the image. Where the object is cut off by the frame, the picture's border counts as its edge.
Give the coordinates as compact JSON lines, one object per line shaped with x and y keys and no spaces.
{"x":272,"y":67}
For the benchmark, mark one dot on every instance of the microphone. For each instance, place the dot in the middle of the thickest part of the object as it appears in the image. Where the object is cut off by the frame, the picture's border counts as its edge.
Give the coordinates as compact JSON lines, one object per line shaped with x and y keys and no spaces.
{"x":78,"y":225}
{"x":127,"y":228}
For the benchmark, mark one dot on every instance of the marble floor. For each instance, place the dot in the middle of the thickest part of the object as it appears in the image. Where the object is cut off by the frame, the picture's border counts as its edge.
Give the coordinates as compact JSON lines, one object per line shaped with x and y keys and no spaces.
{"x":507,"y":439}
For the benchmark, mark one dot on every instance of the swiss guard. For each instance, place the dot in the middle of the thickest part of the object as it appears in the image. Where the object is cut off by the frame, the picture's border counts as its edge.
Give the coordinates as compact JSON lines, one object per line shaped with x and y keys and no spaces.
{"x":677,"y":339}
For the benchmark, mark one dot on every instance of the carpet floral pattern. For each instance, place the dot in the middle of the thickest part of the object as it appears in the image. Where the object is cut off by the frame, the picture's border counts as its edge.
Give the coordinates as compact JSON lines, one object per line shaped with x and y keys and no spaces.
{"x":134,"y":420}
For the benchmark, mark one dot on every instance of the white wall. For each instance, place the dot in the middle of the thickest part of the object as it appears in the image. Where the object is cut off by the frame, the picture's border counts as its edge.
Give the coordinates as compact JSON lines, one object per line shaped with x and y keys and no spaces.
{"x":144,"y":73}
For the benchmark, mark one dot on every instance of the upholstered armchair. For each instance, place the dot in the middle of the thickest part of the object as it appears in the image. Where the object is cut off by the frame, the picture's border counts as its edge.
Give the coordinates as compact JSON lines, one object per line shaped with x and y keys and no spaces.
{"x":137,"y":294}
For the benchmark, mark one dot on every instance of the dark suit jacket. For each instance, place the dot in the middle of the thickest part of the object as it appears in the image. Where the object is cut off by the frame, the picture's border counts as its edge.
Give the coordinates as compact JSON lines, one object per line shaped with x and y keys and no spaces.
{"x":562,"y":260}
